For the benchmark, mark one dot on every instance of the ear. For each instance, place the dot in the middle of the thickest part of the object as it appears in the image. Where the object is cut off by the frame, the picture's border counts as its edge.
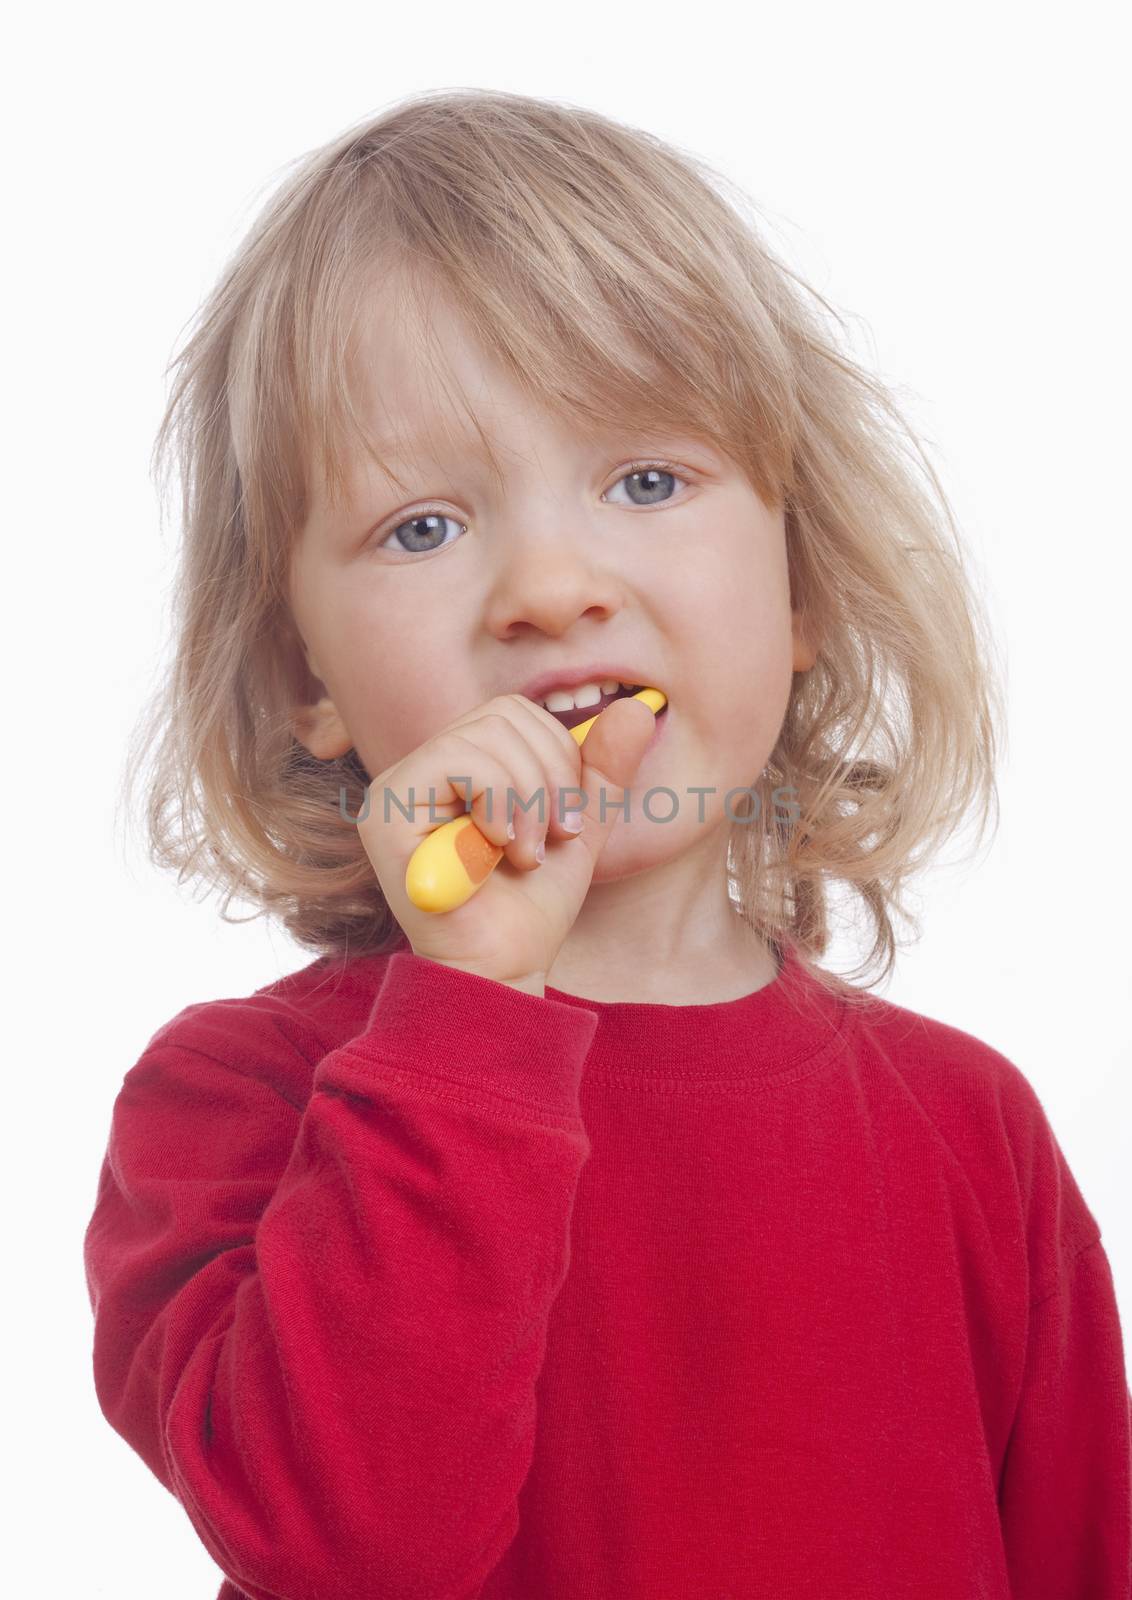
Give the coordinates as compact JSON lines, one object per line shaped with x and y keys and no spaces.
{"x":320,"y":728}
{"x":318,"y":725}
{"x":804,"y":653}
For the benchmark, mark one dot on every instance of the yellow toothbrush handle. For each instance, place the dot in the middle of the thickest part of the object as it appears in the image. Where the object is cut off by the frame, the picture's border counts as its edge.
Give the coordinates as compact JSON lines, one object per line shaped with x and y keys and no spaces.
{"x":455,"y":860}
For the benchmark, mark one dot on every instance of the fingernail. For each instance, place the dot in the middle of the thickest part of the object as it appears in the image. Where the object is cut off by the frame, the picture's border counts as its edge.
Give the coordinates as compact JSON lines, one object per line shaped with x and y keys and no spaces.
{"x":572,"y":822}
{"x":510,"y":830}
{"x":540,"y":852}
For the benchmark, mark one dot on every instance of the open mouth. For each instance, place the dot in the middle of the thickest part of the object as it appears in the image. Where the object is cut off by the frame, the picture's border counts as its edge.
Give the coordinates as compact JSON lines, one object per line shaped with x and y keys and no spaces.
{"x":580,"y":714}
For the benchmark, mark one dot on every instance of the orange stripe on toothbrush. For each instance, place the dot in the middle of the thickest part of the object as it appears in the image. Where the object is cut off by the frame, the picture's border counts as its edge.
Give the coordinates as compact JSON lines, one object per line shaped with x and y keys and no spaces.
{"x":455,"y":860}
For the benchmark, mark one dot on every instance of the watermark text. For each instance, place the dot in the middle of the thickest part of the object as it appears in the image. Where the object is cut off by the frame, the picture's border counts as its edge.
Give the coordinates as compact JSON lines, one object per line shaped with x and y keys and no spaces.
{"x":784,"y":801}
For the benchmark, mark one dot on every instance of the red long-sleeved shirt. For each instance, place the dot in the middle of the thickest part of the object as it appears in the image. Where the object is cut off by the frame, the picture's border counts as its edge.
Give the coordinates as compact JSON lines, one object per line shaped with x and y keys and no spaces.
{"x":409,"y":1284}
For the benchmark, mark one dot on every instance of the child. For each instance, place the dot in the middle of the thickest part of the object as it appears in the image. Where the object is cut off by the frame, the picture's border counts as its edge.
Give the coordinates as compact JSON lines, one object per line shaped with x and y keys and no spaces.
{"x":589,"y":1238}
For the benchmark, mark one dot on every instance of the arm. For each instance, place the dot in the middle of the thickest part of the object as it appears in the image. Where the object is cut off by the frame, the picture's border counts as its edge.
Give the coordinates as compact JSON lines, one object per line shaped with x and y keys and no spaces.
{"x":1065,"y":1498}
{"x":321,"y":1326}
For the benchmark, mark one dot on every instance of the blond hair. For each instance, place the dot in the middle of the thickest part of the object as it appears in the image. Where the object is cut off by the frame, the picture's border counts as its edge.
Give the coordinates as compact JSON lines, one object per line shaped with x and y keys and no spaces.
{"x":619,"y":285}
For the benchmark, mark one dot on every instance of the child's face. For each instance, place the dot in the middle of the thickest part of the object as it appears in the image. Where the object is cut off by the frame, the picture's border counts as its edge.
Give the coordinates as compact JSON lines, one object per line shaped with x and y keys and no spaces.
{"x":570,"y":563}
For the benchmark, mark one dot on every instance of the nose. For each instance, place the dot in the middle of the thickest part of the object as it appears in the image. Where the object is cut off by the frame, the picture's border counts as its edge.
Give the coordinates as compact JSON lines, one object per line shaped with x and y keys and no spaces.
{"x":547,"y":581}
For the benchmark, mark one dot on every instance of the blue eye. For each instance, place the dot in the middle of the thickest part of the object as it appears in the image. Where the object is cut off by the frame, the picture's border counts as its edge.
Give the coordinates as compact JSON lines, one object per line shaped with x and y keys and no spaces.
{"x":650,"y":469}
{"x":423,"y":524}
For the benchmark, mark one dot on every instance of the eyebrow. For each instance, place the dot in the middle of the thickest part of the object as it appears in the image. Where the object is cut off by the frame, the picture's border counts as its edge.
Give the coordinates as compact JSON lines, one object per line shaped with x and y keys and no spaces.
{"x":412,"y":447}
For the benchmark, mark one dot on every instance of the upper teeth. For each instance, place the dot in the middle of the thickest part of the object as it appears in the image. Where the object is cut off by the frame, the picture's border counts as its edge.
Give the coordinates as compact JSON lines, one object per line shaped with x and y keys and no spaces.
{"x":587,"y":694}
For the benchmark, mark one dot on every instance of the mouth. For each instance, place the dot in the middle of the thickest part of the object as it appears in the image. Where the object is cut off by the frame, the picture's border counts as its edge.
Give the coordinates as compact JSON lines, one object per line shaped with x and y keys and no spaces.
{"x":573,"y":716}
{"x":657,"y":703}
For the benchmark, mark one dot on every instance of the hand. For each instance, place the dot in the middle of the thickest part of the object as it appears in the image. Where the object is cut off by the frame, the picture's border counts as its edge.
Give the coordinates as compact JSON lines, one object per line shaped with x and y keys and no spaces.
{"x":513,"y":927}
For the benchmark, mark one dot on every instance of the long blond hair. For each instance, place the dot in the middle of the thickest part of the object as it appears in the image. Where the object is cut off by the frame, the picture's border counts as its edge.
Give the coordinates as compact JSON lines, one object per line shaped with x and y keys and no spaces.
{"x":619,"y":281}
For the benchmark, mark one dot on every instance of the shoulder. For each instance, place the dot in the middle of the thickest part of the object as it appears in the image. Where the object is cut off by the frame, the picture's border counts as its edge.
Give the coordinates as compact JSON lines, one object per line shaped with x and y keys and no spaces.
{"x":947,"y":1069}
{"x":282,"y":1029}
{"x":985,"y":1114}
{"x":223,"y":1084}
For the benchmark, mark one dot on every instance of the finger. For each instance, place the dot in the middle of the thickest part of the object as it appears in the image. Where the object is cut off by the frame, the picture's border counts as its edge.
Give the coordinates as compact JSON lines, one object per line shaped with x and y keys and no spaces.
{"x":561,"y":758}
{"x":611,"y":756}
{"x":526,"y":801}
{"x":442,"y":780}
{"x":556,"y":748}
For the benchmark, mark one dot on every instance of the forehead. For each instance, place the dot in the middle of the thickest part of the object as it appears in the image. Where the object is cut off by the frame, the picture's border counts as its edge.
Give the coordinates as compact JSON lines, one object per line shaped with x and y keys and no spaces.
{"x":426,"y":387}
{"x":428,"y":394}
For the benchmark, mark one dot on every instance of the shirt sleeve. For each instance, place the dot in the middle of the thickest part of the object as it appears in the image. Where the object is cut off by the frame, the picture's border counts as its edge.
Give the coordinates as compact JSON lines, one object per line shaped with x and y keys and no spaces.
{"x":1065,"y":1494}
{"x":320,"y":1320}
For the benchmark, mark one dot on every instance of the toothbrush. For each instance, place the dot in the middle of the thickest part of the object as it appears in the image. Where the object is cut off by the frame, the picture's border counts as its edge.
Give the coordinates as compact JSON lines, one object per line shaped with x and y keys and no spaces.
{"x":455,"y":860}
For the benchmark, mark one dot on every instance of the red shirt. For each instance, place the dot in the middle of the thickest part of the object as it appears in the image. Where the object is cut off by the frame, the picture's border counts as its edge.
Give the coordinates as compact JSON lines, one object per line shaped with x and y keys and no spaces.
{"x":409,"y":1284}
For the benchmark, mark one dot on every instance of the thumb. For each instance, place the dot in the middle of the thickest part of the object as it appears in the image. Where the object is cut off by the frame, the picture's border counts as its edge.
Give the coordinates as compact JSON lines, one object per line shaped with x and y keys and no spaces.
{"x":611,"y":755}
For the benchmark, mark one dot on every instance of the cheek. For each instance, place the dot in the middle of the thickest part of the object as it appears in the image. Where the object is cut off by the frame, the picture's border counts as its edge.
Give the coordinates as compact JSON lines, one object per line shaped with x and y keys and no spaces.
{"x":737,"y":605}
{"x":744,"y":661}
{"x":400,"y":704}
{"x":396,"y":711}
{"x":735,"y":723}
{"x":387,"y":657}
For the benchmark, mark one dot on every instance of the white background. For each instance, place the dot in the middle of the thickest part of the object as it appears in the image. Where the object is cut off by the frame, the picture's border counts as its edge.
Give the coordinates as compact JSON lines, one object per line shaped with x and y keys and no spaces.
{"x":950,"y":176}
